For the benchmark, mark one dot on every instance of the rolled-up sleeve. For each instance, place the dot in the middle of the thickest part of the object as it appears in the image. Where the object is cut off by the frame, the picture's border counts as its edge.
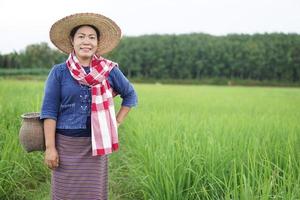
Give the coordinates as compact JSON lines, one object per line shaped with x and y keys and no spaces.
{"x":122,"y":86}
{"x":51,"y":100}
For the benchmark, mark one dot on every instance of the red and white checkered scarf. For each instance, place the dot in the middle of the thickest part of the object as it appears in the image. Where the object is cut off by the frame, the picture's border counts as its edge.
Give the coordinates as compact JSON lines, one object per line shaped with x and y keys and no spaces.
{"x":103,"y":118}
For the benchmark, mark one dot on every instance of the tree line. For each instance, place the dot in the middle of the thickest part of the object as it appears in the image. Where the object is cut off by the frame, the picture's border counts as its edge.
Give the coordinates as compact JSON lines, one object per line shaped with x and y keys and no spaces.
{"x":274,"y":56}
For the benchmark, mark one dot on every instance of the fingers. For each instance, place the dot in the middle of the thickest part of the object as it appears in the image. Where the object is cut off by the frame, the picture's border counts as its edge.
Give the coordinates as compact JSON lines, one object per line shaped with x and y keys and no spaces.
{"x":114,"y":93}
{"x":52,"y":164}
{"x":51,"y":158}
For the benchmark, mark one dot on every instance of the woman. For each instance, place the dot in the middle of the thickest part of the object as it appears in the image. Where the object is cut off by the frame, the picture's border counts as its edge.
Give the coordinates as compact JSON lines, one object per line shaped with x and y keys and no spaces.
{"x":80,"y":124}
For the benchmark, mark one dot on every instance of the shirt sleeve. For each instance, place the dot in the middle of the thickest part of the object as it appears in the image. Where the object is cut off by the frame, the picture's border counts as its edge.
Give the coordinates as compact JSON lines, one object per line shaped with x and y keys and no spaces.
{"x":51,"y":100}
{"x":122,"y":86}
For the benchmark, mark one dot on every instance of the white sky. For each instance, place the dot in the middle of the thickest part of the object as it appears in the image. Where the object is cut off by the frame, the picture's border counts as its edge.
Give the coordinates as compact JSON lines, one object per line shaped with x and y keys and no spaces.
{"x":24,"y":22}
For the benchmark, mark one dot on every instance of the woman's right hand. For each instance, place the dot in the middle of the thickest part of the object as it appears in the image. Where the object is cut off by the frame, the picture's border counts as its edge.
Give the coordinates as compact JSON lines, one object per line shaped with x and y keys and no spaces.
{"x":51,"y":154}
{"x":51,"y":158}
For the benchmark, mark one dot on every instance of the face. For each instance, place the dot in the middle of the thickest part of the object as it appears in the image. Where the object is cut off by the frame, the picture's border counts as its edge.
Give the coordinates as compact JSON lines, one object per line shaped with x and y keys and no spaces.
{"x":85,"y":43}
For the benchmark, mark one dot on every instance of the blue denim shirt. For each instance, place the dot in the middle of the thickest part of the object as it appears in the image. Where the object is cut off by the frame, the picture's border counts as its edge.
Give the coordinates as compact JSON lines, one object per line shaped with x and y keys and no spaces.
{"x":69,"y":103}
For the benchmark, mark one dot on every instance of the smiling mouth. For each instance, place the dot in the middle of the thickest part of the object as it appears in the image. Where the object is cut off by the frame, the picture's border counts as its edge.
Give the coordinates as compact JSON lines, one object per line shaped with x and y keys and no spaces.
{"x":85,"y":49}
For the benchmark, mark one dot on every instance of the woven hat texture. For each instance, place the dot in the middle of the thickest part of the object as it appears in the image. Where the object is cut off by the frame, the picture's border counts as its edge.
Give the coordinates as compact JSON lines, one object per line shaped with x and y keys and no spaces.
{"x":110,"y":32}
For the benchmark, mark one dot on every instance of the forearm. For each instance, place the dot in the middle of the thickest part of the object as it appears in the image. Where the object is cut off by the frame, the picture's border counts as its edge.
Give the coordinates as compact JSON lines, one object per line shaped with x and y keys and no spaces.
{"x":49,"y":132}
{"x":124,"y":110}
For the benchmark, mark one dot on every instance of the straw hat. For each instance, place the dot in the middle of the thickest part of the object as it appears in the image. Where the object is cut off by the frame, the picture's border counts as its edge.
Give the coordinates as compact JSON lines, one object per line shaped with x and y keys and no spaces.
{"x":110,"y":33}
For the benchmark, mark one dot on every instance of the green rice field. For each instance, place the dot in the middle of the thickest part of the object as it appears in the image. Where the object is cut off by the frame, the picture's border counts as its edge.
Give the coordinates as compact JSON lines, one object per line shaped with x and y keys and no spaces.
{"x":180,"y":143}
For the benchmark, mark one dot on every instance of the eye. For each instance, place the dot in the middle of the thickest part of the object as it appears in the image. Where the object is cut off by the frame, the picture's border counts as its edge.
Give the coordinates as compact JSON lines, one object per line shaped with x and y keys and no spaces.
{"x":81,"y":36}
{"x":92,"y":37}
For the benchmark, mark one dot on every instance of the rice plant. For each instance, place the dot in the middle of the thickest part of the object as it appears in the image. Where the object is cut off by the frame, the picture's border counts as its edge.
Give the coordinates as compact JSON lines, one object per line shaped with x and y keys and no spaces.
{"x":179,"y":143}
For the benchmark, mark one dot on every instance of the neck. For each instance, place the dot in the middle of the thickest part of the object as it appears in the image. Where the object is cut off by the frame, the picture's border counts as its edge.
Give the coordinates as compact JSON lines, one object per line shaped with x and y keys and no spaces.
{"x":84,"y":62}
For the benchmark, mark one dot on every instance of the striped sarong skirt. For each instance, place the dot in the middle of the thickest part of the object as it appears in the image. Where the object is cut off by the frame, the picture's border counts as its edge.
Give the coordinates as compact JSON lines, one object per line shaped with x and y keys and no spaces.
{"x":80,"y":176}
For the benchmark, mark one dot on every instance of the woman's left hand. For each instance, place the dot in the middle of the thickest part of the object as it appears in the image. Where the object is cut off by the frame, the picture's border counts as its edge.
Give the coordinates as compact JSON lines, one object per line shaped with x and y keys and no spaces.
{"x":114,"y":93}
{"x":122,"y":114}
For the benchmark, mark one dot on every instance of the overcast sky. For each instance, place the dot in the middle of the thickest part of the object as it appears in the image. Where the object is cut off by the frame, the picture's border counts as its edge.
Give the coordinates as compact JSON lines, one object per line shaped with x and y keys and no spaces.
{"x":24,"y":22}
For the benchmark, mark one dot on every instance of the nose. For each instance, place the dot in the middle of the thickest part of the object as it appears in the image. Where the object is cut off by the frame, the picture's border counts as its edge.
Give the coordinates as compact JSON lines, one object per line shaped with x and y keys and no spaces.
{"x":86,"y":40}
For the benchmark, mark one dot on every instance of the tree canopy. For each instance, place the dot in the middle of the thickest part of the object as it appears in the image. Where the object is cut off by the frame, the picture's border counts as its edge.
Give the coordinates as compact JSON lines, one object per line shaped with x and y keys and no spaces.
{"x":273,"y":56}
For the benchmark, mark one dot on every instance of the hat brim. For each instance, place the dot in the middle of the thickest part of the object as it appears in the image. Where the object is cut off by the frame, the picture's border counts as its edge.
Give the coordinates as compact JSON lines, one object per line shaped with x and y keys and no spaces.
{"x":110,"y":32}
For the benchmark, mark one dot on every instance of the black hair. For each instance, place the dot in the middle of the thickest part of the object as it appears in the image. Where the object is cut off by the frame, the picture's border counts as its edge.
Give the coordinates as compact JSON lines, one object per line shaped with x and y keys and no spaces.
{"x":73,"y":31}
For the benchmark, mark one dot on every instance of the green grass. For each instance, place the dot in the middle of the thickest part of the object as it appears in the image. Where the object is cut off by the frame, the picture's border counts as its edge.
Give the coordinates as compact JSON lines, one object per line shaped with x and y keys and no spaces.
{"x":23,"y":71}
{"x":179,"y":143}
